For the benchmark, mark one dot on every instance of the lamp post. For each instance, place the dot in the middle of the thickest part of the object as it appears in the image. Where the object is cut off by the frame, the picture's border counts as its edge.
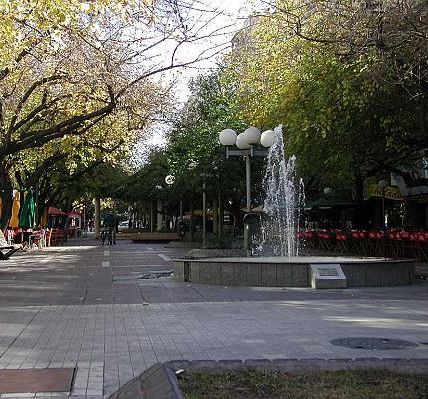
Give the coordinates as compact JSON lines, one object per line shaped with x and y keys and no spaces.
{"x":383,"y":184}
{"x":192,"y":165}
{"x":247,"y":143}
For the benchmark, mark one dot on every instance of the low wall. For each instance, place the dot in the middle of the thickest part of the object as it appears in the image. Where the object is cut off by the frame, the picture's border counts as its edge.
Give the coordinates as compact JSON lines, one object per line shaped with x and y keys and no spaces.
{"x":249,"y":272}
{"x":200,"y":253}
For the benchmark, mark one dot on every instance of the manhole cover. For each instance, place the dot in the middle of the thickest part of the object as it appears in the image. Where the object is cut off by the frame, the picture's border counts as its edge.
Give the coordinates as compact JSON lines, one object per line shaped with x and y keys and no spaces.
{"x":371,"y":343}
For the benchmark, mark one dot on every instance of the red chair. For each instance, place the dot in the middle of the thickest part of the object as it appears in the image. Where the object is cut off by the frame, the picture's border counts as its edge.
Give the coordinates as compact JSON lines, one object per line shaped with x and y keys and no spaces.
{"x":376,"y":243}
{"x":309,"y":238}
{"x":422,"y":241}
{"x":413,"y":250}
{"x":341,"y":242}
{"x":359,"y":242}
{"x":324,"y":240}
{"x":394,"y":244}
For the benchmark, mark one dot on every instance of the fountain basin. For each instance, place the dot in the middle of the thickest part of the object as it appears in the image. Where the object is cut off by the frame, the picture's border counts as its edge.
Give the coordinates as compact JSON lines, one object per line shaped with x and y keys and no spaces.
{"x":293,"y":271}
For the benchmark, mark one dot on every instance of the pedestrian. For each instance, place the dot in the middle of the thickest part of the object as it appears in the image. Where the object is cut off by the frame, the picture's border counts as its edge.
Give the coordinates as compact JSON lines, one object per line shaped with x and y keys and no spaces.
{"x":111,"y":222}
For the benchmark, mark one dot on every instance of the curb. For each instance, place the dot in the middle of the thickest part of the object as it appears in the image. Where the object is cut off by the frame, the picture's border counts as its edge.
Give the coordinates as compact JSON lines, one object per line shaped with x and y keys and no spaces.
{"x":157,"y":382}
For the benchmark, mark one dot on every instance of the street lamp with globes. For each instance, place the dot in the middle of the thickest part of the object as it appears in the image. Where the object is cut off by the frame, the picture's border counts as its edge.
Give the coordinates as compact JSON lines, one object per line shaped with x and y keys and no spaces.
{"x":247,"y":143}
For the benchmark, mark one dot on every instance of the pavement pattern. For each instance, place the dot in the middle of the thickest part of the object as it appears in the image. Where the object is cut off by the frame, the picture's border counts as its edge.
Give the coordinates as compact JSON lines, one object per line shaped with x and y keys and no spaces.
{"x":101,"y":310}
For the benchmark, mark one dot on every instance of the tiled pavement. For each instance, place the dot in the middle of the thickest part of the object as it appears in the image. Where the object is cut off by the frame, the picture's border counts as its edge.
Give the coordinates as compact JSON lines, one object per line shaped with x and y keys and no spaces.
{"x":88,"y":307}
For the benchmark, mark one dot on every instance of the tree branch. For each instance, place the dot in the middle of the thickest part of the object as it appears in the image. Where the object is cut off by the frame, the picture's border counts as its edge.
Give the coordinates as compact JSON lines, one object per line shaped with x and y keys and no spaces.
{"x":24,"y":99}
{"x":72,"y":125}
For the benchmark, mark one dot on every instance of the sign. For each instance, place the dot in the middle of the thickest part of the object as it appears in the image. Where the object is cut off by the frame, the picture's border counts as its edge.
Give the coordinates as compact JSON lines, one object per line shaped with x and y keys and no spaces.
{"x":328,"y":271}
{"x":392,"y":193}
{"x":327,"y":275}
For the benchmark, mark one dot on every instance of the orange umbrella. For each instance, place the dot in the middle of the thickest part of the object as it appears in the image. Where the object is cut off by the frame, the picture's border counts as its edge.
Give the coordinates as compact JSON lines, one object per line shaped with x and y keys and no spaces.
{"x":14,"y":219}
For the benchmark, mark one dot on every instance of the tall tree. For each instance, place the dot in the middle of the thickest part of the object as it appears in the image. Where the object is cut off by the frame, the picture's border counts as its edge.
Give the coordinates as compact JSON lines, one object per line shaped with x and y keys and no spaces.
{"x":67,"y":66}
{"x":328,"y":70}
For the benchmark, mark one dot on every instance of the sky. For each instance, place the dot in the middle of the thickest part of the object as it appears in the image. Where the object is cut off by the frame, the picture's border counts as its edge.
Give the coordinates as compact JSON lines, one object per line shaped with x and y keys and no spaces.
{"x":230,"y":17}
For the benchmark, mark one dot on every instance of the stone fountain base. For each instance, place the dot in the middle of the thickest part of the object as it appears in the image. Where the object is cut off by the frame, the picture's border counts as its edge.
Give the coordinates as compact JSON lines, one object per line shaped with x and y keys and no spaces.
{"x":295,"y":271}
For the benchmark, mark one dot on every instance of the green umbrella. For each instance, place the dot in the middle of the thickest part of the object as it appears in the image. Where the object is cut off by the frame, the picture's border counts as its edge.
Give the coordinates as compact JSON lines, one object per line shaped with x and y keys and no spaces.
{"x":28,"y":212}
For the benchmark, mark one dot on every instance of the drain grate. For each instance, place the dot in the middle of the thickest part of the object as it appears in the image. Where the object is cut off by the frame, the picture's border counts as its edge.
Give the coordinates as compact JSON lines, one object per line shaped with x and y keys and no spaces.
{"x":371,"y":343}
{"x":139,"y":276}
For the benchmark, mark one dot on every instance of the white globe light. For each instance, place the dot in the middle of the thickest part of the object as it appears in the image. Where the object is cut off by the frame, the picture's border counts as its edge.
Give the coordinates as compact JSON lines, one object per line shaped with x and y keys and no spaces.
{"x":170,"y":179}
{"x":253,"y":135}
{"x":242,"y":143}
{"x":268,"y":138}
{"x":227,"y":137}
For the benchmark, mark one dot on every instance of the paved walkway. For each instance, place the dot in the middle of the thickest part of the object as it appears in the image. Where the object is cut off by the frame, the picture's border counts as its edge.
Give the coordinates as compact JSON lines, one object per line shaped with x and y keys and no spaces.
{"x":93,"y":307}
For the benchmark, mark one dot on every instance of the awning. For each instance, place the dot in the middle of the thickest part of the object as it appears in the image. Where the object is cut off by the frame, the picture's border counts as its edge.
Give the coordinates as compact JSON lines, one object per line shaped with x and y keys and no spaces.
{"x":74,"y":214}
{"x":55,"y":211}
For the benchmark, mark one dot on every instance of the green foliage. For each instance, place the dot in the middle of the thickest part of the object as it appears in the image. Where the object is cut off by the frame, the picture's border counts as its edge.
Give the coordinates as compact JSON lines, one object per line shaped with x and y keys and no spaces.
{"x":344,"y":112}
{"x":194,"y":141}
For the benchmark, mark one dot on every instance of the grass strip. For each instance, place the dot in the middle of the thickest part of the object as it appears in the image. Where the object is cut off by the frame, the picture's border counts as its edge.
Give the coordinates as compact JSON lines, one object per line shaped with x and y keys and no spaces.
{"x":275,"y":384}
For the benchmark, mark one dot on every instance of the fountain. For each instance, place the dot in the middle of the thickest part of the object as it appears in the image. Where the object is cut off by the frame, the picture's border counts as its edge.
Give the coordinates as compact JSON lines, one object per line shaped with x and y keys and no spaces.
{"x":277,"y":262}
{"x":283,"y":201}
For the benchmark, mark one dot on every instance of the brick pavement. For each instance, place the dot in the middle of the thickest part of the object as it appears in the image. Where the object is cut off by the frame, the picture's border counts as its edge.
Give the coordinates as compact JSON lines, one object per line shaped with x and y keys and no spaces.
{"x":87,"y":306}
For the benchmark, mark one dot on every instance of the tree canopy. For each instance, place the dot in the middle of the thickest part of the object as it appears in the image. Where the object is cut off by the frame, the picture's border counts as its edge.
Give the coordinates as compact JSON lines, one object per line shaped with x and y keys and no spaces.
{"x":341,"y":77}
{"x":76,"y":79}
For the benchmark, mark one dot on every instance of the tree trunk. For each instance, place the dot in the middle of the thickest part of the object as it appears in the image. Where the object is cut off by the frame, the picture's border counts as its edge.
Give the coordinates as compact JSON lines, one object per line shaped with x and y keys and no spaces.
{"x":215,"y":216}
{"x":97,"y":217}
{"x":220,"y":217}
{"x":6,"y":196}
{"x":191,"y":223}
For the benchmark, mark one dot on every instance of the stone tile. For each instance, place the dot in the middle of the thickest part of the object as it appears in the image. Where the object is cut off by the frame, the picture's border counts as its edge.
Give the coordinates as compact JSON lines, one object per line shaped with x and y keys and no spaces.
{"x":111,"y":342}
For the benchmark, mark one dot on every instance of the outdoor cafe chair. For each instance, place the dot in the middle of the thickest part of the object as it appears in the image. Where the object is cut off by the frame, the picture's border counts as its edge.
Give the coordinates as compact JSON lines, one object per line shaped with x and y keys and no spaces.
{"x":341,"y":242}
{"x":394,"y":247}
{"x":38,"y":239}
{"x":324,"y":240}
{"x":375,"y":243}
{"x":360,"y":245}
{"x":309,"y":238}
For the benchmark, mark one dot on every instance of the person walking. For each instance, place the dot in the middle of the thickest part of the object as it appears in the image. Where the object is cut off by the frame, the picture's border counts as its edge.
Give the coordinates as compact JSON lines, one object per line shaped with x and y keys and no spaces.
{"x":111,"y":222}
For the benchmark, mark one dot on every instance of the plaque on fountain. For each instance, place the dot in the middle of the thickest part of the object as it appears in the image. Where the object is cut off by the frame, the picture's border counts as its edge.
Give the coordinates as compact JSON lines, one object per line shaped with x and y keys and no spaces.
{"x":328,"y":271}
{"x":327,"y":276}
